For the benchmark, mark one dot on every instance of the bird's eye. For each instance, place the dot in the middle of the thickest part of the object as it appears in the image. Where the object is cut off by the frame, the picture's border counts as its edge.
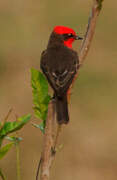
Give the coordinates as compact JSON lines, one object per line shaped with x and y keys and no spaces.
{"x":70,"y":35}
{"x":67,"y":36}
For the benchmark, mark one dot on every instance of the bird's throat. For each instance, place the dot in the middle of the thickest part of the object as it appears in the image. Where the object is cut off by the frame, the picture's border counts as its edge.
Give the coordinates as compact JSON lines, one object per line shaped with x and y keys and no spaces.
{"x":69,"y":42}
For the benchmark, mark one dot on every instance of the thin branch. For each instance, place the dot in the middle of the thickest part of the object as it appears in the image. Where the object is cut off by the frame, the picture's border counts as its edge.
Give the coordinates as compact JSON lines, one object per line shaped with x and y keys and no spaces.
{"x":90,"y":30}
{"x":18,"y":161}
{"x":6,"y":118}
{"x":38,"y":169}
{"x":48,"y":151}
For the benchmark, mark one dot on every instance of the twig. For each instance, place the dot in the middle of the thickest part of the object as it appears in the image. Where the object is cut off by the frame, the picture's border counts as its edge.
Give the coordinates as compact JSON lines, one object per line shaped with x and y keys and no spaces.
{"x":48,"y":153}
{"x":38,"y":169}
{"x":57,"y":136}
{"x":51,"y":134}
{"x":18,"y":161}
{"x":6,"y":118}
{"x":90,"y":30}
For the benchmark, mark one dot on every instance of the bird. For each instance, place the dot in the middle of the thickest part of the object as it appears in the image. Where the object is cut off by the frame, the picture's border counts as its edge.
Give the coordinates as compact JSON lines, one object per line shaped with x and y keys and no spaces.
{"x":60,"y":63}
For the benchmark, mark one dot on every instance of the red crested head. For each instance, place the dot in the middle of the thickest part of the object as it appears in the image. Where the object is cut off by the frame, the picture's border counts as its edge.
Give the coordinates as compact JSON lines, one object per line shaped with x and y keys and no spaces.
{"x":63,"y":30}
{"x":69,"y":35}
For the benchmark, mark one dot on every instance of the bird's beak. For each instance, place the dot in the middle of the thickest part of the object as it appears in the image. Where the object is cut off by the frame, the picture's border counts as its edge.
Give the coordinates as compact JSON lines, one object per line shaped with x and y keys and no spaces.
{"x":78,"y":38}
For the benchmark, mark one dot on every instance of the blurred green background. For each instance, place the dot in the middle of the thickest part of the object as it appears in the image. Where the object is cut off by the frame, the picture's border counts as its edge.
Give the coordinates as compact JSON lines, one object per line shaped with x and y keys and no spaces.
{"x":90,"y":139}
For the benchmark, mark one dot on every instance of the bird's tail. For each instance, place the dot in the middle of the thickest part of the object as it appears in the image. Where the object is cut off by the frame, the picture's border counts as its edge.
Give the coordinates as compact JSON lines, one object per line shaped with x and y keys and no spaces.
{"x":62,"y":109}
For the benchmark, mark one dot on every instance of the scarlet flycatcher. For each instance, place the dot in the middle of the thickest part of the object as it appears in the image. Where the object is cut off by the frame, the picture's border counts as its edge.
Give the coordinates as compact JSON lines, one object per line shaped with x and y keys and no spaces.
{"x":60,"y":63}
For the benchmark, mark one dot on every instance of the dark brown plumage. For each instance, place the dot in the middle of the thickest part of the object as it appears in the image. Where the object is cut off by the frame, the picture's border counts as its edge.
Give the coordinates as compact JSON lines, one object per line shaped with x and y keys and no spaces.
{"x":60,"y":63}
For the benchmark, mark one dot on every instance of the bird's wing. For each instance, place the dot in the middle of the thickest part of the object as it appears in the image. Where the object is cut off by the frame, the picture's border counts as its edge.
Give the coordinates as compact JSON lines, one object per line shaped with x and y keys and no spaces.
{"x":61,"y":75}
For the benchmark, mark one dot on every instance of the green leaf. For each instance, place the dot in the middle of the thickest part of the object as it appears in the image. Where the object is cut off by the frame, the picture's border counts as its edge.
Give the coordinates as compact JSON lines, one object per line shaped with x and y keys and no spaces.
{"x":14,"y":139}
{"x":40,"y":126}
{"x":5,"y":149}
{"x":40,"y":94}
{"x":10,"y":127}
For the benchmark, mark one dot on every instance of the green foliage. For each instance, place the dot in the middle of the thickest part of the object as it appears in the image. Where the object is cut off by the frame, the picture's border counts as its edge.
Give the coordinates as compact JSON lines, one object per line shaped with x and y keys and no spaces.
{"x":5,"y":149}
{"x":40,"y":126}
{"x":10,"y":127}
{"x":41,"y":97}
{"x":7,"y":128}
{"x":14,"y":139}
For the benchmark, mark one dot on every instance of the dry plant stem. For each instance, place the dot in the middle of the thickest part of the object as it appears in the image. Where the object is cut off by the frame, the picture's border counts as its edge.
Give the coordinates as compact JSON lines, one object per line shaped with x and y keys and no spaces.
{"x":48,"y":154}
{"x":6,"y":118}
{"x":59,"y":126}
{"x":18,"y":161}
{"x":89,"y":31}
